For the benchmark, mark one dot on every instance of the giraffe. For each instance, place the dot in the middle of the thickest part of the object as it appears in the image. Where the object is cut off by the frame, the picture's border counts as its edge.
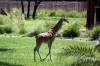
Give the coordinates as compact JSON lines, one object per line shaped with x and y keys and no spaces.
{"x":47,"y":37}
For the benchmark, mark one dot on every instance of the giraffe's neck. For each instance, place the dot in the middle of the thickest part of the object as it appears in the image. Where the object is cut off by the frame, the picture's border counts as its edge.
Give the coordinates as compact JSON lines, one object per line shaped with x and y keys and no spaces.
{"x":57,"y":26}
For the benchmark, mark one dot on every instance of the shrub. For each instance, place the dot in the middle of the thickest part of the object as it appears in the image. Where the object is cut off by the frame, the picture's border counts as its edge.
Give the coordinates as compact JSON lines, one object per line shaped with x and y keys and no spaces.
{"x":5,"y":29}
{"x":81,"y":54}
{"x":86,"y":61}
{"x":1,"y":20}
{"x":1,"y":30}
{"x":5,"y":24}
{"x":22,"y":30}
{"x":60,"y":12}
{"x":72,"y":31}
{"x":18,"y":21}
{"x":52,"y":13}
{"x":4,"y":20}
{"x":79,"y":50}
{"x":43,"y":13}
{"x":95,"y":33}
{"x":8,"y":29}
{"x":76,"y":14}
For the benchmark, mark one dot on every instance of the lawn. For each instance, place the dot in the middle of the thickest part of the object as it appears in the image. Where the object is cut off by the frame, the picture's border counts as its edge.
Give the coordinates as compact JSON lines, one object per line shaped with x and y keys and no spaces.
{"x":18,"y":51}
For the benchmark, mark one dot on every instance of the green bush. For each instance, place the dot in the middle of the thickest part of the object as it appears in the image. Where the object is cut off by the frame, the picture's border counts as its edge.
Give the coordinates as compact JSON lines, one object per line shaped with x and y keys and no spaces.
{"x":76,"y":14}
{"x":18,"y":21}
{"x":79,"y":50}
{"x":81,"y":54}
{"x":4,"y":20}
{"x":43,"y":13}
{"x":86,"y":61}
{"x":8,"y":29}
{"x":52,"y":13}
{"x":59,"y":13}
{"x":1,"y":30}
{"x":5,"y":29}
{"x":72,"y":31}
{"x":5,"y":24}
{"x":1,"y":20}
{"x":22,"y":30}
{"x":95,"y":33}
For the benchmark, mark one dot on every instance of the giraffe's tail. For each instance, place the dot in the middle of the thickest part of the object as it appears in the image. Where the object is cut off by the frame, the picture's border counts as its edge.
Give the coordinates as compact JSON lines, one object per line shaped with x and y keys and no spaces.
{"x":30,"y":34}
{"x":36,"y":33}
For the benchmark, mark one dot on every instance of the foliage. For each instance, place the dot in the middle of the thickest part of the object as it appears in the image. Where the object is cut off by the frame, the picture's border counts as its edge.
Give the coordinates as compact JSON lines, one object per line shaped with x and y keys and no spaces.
{"x":72,"y":31}
{"x":5,"y":25}
{"x":81,"y":54}
{"x":76,"y":14}
{"x":43,"y":13}
{"x":86,"y":61}
{"x":59,"y":13}
{"x":79,"y":50}
{"x":16,"y":22}
{"x":95,"y":33}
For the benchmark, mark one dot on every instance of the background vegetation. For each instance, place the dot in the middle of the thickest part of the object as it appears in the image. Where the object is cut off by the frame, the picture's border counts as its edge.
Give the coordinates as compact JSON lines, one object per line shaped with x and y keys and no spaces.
{"x":16,"y":50}
{"x":15,"y":23}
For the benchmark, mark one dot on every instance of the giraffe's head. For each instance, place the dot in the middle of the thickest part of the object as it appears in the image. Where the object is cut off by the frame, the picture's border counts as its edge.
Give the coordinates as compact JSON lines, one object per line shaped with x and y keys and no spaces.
{"x":64,"y":19}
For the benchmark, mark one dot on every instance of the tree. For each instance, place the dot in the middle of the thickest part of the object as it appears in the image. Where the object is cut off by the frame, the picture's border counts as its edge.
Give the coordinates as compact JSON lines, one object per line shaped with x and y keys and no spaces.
{"x":35,"y":8}
{"x":3,"y":12}
{"x":22,"y":6}
{"x":90,"y":14}
{"x":28,"y":8}
{"x":98,"y":12}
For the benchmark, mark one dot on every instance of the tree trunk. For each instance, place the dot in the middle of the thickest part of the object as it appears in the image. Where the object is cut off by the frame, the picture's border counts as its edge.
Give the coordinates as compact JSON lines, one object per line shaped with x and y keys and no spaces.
{"x":28,"y":9}
{"x":22,"y":6}
{"x":90,"y":14}
{"x":98,"y":12}
{"x":3,"y":12}
{"x":35,"y":8}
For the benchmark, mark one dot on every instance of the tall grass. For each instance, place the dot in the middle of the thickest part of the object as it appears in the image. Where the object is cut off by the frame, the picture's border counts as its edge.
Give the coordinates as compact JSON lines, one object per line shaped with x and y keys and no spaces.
{"x":13,"y":22}
{"x":59,"y":13}
{"x":95,"y":33}
{"x":17,"y":20}
{"x":5,"y":25}
{"x":18,"y":25}
{"x":80,"y":54}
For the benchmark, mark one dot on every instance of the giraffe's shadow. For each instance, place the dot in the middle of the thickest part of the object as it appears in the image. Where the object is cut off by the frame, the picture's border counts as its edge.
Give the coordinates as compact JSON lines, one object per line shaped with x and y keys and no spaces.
{"x":5,"y":49}
{"x":2,"y":63}
{"x":7,"y":64}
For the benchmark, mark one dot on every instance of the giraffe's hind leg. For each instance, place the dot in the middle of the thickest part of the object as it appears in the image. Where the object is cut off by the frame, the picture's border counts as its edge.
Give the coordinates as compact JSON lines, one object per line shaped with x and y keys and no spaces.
{"x":35,"y":53}
{"x":38,"y":44}
{"x":49,"y":53}
{"x":49,"y":46}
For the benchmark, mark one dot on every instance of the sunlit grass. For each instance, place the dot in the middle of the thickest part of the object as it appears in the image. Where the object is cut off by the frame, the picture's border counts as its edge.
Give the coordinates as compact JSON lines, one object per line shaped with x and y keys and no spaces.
{"x":19,"y":51}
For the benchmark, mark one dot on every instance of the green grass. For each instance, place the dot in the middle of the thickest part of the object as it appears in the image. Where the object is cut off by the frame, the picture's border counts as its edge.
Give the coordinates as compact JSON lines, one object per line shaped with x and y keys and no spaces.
{"x":17,"y":51}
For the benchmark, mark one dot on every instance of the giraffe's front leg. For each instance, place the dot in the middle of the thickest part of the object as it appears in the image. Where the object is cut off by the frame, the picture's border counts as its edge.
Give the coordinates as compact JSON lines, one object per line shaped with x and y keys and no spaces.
{"x":35,"y":54}
{"x":49,"y":53}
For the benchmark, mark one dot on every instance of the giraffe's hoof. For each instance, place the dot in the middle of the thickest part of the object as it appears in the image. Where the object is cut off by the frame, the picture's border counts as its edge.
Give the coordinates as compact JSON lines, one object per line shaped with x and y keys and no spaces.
{"x":42,"y":60}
